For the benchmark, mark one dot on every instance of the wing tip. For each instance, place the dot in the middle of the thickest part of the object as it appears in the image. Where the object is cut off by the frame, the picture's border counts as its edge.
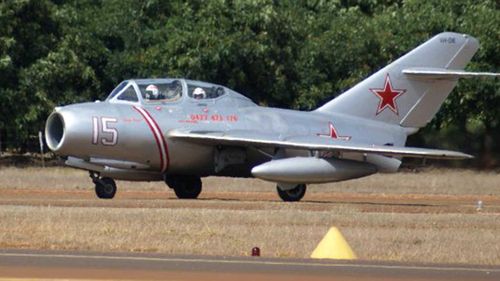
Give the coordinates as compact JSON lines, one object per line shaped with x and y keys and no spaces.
{"x":457,"y":156}
{"x":468,"y":156}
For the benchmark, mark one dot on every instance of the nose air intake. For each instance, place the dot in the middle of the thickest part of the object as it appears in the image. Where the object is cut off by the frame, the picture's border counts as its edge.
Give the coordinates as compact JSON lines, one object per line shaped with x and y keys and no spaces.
{"x":55,"y":131}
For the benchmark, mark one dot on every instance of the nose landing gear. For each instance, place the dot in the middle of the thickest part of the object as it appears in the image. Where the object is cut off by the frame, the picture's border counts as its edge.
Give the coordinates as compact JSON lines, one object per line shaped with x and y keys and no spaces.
{"x":105,"y":188}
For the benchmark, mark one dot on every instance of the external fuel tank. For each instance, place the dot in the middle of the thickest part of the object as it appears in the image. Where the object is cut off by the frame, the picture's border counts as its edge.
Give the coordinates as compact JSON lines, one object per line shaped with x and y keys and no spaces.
{"x":312,"y":170}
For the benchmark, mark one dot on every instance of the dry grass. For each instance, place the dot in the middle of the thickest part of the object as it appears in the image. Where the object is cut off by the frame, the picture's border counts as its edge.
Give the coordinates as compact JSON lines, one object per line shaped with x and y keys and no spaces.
{"x":231,"y":227}
{"x":283,"y":232}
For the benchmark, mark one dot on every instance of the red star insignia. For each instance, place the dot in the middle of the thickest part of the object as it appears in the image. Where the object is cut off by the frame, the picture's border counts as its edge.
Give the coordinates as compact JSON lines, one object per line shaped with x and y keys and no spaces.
{"x":333,"y":133}
{"x":388,"y":96}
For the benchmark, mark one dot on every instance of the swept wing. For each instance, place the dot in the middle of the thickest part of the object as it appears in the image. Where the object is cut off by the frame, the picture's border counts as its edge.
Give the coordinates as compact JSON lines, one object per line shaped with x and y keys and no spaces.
{"x":313,"y":143}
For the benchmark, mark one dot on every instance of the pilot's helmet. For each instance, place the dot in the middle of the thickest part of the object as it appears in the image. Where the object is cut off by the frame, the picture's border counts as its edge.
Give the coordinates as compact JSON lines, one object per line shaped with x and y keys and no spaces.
{"x":152,"y":92}
{"x":199,"y":93}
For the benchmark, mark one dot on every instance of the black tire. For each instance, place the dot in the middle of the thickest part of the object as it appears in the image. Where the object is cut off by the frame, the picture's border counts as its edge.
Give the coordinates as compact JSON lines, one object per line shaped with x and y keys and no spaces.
{"x":185,"y":187}
{"x":292,"y":195}
{"x":105,"y":188}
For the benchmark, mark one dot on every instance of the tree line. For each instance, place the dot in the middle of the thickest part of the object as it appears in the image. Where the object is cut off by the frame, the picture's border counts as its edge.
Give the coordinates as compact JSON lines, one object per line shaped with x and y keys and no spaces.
{"x":290,"y":54}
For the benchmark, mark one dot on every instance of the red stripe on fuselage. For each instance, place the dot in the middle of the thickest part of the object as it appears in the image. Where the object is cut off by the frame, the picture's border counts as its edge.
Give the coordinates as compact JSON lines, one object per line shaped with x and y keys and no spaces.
{"x":150,"y":125}
{"x":165,"y":146}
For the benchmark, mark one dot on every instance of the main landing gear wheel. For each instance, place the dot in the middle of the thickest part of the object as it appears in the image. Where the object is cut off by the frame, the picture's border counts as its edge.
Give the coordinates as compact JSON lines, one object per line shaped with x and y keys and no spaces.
{"x":185,"y":187}
{"x":105,"y":188}
{"x":292,"y":195}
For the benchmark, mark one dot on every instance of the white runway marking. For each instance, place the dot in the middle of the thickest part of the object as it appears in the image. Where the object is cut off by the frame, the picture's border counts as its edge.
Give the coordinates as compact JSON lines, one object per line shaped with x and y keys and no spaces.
{"x":256,"y":262}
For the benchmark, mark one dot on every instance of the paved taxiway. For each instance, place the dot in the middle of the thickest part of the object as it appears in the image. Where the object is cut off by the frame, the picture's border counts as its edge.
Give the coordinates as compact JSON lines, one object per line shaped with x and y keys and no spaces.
{"x":27,"y":264}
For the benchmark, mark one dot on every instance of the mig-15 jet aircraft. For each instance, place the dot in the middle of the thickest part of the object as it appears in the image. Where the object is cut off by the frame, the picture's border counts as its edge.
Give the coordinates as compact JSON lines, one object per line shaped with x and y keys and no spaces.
{"x":179,"y":130}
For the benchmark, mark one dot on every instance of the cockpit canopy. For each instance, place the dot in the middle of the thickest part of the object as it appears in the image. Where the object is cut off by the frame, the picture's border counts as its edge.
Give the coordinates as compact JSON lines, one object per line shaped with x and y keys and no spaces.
{"x":148,"y":91}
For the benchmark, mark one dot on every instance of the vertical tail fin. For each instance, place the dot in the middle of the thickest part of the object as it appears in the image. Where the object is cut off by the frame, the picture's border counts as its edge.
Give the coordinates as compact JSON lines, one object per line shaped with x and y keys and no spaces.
{"x":395,"y":96}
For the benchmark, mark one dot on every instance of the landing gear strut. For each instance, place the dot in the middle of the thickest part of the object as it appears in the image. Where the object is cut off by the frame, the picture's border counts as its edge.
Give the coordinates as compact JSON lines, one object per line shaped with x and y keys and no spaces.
{"x":292,"y":195}
{"x":105,"y":188}
{"x":185,"y":187}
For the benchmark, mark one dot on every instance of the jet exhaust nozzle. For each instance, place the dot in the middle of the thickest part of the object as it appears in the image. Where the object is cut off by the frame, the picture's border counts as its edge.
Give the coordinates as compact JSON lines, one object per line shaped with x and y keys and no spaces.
{"x":312,"y":170}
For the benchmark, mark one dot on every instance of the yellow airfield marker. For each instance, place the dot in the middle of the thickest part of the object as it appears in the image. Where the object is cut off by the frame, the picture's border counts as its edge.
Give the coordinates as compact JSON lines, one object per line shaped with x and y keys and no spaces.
{"x":333,"y":246}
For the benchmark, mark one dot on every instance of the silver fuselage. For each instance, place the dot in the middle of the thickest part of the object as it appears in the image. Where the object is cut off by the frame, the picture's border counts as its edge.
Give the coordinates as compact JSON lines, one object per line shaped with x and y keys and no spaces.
{"x":118,"y":135}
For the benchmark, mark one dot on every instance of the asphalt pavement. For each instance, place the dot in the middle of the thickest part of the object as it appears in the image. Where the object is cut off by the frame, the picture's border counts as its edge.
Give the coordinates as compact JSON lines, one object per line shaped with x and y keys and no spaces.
{"x":78,"y":265}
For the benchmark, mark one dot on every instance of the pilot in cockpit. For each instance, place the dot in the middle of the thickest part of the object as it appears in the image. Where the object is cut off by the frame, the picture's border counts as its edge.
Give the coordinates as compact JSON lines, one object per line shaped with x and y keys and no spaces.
{"x":199,"y":93}
{"x":152,"y":92}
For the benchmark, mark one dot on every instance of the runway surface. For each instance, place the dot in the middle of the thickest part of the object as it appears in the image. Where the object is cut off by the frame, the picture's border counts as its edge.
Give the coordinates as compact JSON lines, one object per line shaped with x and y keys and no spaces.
{"x":29,"y":265}
{"x":394,"y":203}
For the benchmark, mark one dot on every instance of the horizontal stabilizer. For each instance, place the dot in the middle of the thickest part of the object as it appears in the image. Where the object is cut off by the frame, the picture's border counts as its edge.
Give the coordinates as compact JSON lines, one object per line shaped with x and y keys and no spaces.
{"x":443,"y":73}
{"x":312,"y":143}
{"x":409,"y":91}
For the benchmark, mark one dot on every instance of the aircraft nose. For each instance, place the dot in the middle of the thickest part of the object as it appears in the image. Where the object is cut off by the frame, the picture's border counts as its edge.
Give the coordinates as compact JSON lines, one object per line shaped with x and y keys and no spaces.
{"x":55,"y":131}
{"x":63,"y":131}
